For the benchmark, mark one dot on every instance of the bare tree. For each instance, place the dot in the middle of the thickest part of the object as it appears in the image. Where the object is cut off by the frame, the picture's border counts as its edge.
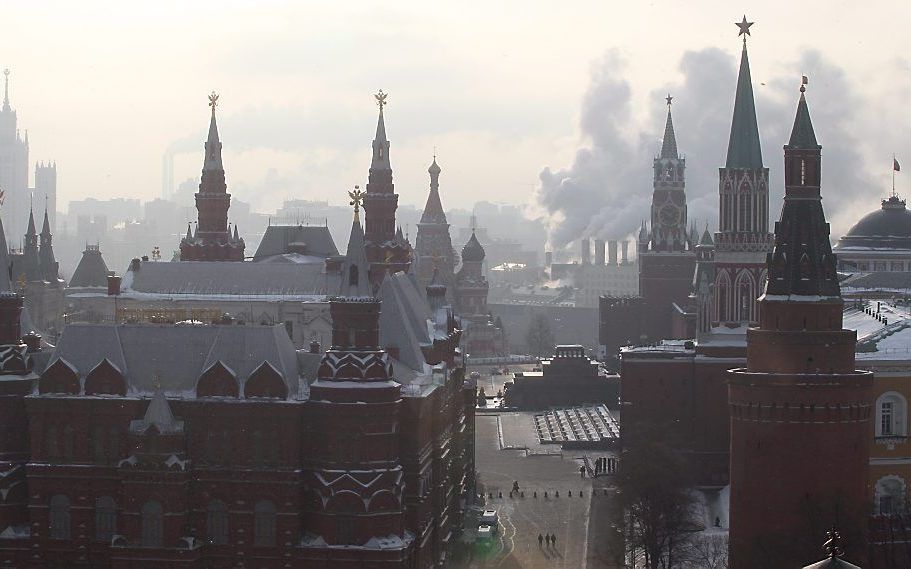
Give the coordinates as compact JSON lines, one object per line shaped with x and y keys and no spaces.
{"x":655,"y":485}
{"x":709,"y":551}
{"x":540,"y":336}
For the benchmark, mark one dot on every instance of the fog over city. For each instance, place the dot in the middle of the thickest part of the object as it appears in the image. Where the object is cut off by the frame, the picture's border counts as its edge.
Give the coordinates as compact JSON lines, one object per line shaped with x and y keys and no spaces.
{"x":524,"y":102}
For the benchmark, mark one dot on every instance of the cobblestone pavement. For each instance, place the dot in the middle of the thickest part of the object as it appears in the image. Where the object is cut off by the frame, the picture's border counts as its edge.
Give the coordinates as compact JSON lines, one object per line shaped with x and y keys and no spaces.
{"x":564,"y":512}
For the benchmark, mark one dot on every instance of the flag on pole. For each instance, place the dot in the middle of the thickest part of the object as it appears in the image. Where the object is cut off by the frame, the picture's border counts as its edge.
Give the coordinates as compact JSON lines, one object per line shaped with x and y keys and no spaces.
{"x":896,"y":166}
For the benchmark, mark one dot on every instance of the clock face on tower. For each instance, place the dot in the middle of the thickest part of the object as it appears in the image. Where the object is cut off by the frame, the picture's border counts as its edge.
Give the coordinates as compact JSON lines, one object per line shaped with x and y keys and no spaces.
{"x":669,"y":215}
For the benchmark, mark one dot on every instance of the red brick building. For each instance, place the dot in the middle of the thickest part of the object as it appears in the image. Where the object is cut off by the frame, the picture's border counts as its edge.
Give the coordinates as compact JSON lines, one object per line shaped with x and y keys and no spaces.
{"x":800,"y":411}
{"x":213,"y":446}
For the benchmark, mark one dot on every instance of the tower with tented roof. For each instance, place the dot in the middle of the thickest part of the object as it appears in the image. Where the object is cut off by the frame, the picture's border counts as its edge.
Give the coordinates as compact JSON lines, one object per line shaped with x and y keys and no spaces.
{"x":666,"y":256}
{"x":433,"y":252}
{"x":800,"y":410}
{"x":212,"y":240}
{"x":743,"y":237}
{"x":387,"y":249}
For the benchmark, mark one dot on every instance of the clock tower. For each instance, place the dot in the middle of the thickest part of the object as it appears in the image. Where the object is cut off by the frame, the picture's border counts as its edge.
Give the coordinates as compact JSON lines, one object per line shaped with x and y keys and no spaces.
{"x":667,"y":256}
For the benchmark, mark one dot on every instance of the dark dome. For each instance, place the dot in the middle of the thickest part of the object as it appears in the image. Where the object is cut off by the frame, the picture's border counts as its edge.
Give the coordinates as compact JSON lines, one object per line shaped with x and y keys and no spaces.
{"x":888,"y":227}
{"x":472,"y":251}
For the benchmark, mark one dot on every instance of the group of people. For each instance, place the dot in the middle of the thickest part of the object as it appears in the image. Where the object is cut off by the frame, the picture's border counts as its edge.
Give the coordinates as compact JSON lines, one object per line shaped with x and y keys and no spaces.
{"x":548,"y":538}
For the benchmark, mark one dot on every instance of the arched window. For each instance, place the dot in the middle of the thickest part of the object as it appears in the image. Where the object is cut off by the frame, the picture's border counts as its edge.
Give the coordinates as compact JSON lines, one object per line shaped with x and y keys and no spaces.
{"x":746,"y":297}
{"x":890,"y":496}
{"x":59,"y":527}
{"x":891,"y":413}
{"x":105,"y":519}
{"x":264,"y":523}
{"x":151,"y":524}
{"x":723,"y":292}
{"x":217,"y":522}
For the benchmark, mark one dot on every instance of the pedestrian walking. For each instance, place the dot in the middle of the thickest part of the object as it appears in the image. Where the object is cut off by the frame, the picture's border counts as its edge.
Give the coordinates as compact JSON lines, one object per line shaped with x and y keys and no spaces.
{"x":553,"y":540}
{"x":582,"y":472}
{"x":540,"y":540}
{"x":547,"y":539}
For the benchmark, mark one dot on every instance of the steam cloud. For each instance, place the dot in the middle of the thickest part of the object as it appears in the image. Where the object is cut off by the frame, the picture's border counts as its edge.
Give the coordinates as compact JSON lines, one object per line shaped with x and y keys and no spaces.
{"x":606,"y":191}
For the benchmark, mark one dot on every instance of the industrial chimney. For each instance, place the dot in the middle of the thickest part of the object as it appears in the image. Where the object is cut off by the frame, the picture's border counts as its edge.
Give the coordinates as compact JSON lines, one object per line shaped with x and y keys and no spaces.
{"x":625,"y":247}
{"x":599,"y":252}
{"x":586,"y":251}
{"x":612,"y":253}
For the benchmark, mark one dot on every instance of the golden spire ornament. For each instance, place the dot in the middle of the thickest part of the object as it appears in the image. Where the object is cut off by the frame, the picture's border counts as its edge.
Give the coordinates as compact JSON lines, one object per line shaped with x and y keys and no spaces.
{"x":357,"y":197}
{"x":381,"y":99}
{"x":213,"y":100}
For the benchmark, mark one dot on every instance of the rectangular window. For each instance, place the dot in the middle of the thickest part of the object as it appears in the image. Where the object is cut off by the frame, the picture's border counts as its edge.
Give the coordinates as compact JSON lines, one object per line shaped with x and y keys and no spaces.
{"x":886,"y":413}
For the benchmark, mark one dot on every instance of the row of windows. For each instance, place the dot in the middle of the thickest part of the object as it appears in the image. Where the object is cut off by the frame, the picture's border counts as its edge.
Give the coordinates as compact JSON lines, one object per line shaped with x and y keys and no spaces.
{"x":152,"y":513}
{"x":894,"y":266}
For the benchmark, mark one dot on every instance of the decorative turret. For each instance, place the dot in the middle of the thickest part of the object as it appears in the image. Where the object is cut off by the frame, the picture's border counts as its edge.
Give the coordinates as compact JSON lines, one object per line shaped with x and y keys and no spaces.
{"x":212,"y":240}
{"x":471,"y":285}
{"x":355,"y":274}
{"x":433,"y":251}
{"x":799,"y":410}
{"x":356,"y":404}
{"x":31,"y":264}
{"x":47,"y":263}
{"x":385,"y":253}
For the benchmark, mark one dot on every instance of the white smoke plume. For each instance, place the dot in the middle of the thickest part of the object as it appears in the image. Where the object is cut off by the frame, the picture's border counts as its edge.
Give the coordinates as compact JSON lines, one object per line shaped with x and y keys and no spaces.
{"x":606,"y":191}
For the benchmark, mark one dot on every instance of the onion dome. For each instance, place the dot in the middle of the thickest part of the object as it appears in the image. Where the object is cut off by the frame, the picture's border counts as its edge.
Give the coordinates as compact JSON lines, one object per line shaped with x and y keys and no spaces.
{"x":472,"y":252}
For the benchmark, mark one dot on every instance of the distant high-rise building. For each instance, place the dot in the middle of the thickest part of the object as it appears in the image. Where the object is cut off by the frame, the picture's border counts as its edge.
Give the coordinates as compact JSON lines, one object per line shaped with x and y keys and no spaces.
{"x":13,"y":168}
{"x":212,"y":240}
{"x":45,"y":191}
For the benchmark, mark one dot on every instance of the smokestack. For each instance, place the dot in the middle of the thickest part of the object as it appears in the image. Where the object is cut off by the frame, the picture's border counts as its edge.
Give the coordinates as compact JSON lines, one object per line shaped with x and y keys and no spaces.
{"x":625,"y":248}
{"x":599,"y":251}
{"x":548,"y":258}
{"x":586,"y":251}
{"x":612,"y":253}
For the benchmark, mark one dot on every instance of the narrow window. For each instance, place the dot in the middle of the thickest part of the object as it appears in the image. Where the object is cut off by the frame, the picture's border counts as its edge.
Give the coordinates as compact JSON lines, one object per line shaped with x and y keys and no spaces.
{"x":264,"y":524}
{"x":105,"y":519}
{"x":59,"y":517}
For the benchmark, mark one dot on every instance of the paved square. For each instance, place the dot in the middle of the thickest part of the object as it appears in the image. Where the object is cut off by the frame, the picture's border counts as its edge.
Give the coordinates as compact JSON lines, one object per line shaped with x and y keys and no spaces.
{"x":564,"y":512}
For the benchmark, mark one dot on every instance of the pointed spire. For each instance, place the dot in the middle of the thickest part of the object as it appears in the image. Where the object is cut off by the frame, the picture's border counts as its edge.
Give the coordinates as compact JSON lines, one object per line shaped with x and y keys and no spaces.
{"x":159,"y":415}
{"x":31,"y":222}
{"x":6,"y":107}
{"x":802,"y":134}
{"x":743,"y":147}
{"x":213,"y":144}
{"x":706,"y":237}
{"x":669,"y":144}
{"x":355,"y":279}
{"x":46,"y":227}
{"x":189,"y":233}
{"x":236,"y":234}
{"x":380,"y":159}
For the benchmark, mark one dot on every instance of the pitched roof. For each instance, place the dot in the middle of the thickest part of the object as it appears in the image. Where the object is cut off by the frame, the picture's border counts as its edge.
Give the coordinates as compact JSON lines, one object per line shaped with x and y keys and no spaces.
{"x":802,"y":134}
{"x":213,"y":147}
{"x":380,"y":160}
{"x":278,"y":238}
{"x":744,"y":150}
{"x":355,"y":281}
{"x":91,"y":271}
{"x":207,"y":278}
{"x":176,"y":355}
{"x":433,"y":209}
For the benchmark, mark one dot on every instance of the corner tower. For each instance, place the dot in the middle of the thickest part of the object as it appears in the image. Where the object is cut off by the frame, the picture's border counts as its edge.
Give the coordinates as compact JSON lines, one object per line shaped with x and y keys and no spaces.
{"x":800,"y":412}
{"x":743,"y":237}
{"x":213,"y":240}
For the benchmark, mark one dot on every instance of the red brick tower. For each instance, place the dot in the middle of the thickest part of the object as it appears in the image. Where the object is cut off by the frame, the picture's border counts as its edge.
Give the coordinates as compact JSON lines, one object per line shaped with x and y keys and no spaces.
{"x":666,"y":257}
{"x":213,"y":240}
{"x":353,"y":470}
{"x":387,"y":249}
{"x":800,"y":412}
{"x":433,"y":252}
{"x":743,"y":237}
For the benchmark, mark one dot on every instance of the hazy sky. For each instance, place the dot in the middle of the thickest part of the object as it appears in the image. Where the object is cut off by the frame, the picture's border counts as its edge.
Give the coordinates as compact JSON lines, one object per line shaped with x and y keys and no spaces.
{"x":500,"y":88}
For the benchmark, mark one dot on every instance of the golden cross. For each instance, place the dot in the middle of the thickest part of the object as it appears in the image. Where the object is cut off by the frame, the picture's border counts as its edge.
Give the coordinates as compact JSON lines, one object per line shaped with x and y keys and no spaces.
{"x":213,"y":100}
{"x":381,"y":99}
